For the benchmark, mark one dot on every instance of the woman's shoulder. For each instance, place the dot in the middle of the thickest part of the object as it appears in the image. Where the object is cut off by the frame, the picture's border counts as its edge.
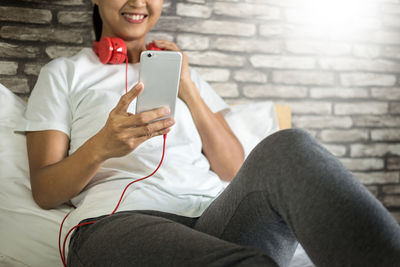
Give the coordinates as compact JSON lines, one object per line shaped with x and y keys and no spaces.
{"x":82,"y":59}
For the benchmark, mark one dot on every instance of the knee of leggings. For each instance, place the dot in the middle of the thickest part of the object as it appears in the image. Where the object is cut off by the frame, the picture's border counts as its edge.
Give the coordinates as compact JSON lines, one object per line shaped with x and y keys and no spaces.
{"x":289,"y":138}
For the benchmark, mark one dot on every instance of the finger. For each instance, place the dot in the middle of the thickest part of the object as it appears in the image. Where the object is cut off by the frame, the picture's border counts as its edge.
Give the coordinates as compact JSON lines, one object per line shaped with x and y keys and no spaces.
{"x":149,"y":131}
{"x":127,"y":98}
{"x":158,"y":133}
{"x":166,"y":45}
{"x":146,"y":117}
{"x":151,"y":128}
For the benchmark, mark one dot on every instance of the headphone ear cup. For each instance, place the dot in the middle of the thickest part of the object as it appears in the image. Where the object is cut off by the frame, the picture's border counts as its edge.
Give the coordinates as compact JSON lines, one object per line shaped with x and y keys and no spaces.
{"x":119,"y":52}
{"x":110,"y":50}
{"x":104,"y":50}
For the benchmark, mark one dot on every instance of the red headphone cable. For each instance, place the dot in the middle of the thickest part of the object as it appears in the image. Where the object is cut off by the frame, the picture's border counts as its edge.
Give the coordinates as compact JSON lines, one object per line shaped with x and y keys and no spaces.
{"x":62,"y":252}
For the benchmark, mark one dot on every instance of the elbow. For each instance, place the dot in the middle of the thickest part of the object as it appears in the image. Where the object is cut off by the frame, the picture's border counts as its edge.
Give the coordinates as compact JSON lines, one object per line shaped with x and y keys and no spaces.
{"x":41,"y":201}
{"x":41,"y":198}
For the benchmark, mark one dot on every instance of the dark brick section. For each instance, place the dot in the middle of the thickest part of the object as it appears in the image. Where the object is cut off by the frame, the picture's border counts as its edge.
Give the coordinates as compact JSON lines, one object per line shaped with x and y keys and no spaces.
{"x":31,"y":30}
{"x":343,"y":86}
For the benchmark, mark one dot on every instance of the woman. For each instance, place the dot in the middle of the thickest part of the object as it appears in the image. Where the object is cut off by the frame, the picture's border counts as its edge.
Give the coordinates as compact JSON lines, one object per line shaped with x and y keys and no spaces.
{"x":85,"y":144}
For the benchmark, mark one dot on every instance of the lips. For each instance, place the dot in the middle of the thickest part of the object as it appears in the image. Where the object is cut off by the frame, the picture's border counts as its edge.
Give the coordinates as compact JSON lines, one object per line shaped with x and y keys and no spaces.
{"x":134,"y":17}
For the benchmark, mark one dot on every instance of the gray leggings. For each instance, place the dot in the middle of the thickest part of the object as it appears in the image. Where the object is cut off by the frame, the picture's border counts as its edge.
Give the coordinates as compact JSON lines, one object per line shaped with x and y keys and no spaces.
{"x":289,"y":188}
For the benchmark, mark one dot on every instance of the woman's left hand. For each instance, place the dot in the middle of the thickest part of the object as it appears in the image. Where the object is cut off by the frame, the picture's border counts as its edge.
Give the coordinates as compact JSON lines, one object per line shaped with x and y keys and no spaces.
{"x":185,"y":79}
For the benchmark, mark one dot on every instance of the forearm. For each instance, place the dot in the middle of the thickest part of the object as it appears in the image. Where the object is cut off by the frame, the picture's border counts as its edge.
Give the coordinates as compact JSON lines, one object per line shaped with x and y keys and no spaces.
{"x":220,"y":146}
{"x":57,"y":183}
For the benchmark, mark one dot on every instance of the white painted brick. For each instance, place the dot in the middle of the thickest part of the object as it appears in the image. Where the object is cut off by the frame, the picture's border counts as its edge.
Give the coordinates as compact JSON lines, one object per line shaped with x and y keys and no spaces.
{"x":348,"y":64}
{"x":386,"y":93}
{"x":395,"y":108}
{"x":365,"y":164}
{"x":345,"y":93}
{"x":293,"y":31}
{"x":250,"y":76}
{"x":215,"y":59}
{"x":311,"y":107}
{"x":192,"y":42}
{"x":189,"y":10}
{"x":33,"y":68}
{"x":377,"y":177}
{"x":391,"y":201}
{"x":386,"y":134}
{"x":241,"y":45}
{"x":226,"y":89}
{"x":213,"y":27}
{"x":392,"y":52}
{"x":336,"y":150}
{"x":214,"y":74}
{"x":8,"y":67}
{"x":319,"y":48}
{"x":393,"y":163}
{"x":368,"y":108}
{"x":197,"y":1}
{"x":16,"y":84}
{"x":391,"y":189}
{"x":303,"y":77}
{"x":376,"y":121}
{"x":268,"y":90}
{"x":61,"y":2}
{"x":341,"y":136}
{"x":282,"y":62}
{"x":321,"y":122}
{"x":243,"y":10}
{"x":366,"y":51}
{"x":391,"y":21}
{"x":391,"y":8}
{"x":159,"y":36}
{"x":25,"y":15}
{"x":62,"y":51}
{"x":367,"y":79}
{"x":374,"y":150}
{"x":19,"y":51}
{"x":379,"y":37}
{"x":271,"y":30}
{"x":24,"y":33}
{"x":74,"y":17}
{"x":280,"y":3}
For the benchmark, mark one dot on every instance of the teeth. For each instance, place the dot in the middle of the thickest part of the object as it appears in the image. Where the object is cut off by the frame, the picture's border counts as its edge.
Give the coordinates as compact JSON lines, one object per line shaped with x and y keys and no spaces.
{"x":134,"y":17}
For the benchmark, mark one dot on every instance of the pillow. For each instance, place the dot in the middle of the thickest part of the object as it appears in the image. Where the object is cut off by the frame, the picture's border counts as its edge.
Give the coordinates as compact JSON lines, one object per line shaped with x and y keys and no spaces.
{"x":28,"y":233}
{"x":252,"y":122}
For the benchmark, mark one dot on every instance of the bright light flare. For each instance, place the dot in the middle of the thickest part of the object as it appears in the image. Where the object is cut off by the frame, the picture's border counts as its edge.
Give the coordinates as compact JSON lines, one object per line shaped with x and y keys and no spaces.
{"x":338,"y":17}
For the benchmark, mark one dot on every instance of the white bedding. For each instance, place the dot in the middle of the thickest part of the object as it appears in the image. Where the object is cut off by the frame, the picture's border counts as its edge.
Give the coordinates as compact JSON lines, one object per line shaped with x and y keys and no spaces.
{"x":29,"y":234}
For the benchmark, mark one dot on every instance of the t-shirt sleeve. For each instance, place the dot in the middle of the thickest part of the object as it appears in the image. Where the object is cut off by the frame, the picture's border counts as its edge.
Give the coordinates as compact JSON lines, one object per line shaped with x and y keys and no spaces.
{"x":48,"y":105}
{"x":210,"y":97}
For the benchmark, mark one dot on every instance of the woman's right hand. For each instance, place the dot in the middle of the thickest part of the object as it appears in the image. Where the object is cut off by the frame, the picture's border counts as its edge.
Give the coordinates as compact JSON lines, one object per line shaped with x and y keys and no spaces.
{"x":124,"y":131}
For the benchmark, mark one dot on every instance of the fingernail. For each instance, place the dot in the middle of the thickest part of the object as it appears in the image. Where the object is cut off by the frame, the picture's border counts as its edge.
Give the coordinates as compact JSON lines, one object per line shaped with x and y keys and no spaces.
{"x":166,"y":110}
{"x":139,"y":86}
{"x":170,"y":122}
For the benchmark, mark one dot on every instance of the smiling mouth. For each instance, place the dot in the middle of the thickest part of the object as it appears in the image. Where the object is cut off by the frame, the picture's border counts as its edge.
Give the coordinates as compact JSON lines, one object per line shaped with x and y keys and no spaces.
{"x":134,"y":17}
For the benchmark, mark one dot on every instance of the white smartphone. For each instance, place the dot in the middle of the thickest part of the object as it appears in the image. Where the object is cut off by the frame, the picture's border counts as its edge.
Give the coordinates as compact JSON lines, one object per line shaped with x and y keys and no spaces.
{"x":160,"y":72}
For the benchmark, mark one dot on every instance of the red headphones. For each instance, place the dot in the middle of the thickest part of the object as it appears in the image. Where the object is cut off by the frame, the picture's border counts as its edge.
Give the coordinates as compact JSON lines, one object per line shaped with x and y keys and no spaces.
{"x":112,"y":50}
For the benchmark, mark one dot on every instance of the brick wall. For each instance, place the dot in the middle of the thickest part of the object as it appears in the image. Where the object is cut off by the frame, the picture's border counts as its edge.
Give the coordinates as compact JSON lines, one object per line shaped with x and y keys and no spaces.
{"x":343,"y":84}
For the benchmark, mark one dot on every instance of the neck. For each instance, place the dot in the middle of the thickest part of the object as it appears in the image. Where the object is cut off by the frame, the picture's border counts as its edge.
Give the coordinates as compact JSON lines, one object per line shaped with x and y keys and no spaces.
{"x":134,"y":48}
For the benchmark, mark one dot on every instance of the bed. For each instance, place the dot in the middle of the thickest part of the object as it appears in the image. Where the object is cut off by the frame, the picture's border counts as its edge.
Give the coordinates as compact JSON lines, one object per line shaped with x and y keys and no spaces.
{"x":29,"y":234}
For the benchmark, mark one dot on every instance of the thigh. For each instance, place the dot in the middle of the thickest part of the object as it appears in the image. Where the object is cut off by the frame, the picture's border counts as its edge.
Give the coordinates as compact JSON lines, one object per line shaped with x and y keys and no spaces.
{"x":137,"y":239}
{"x":243,"y":214}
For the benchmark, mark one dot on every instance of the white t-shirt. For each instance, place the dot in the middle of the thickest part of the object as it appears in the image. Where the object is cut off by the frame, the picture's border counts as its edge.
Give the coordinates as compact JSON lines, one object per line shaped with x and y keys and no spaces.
{"x":75,"y":95}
